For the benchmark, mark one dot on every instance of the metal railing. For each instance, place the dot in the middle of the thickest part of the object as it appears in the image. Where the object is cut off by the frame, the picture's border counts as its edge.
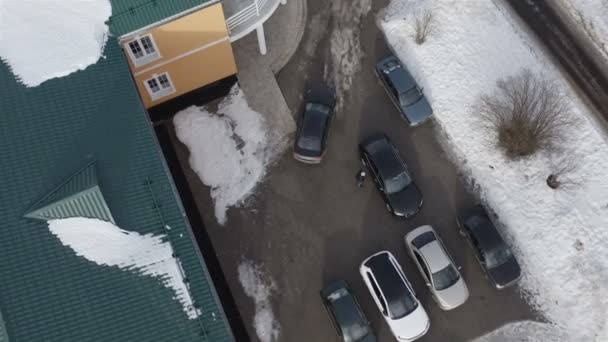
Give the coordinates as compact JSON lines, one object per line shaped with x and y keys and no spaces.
{"x":257,"y":8}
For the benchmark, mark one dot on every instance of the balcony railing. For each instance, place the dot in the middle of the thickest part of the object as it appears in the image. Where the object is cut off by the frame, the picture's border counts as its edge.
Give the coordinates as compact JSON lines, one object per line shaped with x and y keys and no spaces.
{"x":243,"y":16}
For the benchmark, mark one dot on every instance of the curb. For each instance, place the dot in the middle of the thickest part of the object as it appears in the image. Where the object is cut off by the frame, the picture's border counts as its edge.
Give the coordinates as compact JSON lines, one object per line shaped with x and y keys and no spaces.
{"x":300,"y":22}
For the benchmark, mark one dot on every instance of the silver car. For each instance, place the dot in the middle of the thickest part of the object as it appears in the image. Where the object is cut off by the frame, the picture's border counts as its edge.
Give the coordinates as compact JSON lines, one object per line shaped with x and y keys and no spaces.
{"x":437,"y":267}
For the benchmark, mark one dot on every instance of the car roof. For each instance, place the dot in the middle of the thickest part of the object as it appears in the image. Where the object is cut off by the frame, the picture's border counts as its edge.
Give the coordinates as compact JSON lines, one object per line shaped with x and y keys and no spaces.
{"x":313,"y":123}
{"x":389,"y":281}
{"x":485,"y":232}
{"x":435,"y":256}
{"x":384,"y":157}
{"x":401,"y":79}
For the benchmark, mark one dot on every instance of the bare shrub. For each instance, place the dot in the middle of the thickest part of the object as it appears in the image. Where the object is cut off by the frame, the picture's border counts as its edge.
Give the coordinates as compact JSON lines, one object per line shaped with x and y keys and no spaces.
{"x":562,"y":173}
{"x":424,"y":26}
{"x":528,"y":112}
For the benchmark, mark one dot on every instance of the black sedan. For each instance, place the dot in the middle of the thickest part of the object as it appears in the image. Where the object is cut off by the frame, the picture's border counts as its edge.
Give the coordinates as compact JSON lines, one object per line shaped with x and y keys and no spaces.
{"x":403,"y":91}
{"x":345,"y":313}
{"x":491,"y":250}
{"x":390,"y":174}
{"x":313,"y":129}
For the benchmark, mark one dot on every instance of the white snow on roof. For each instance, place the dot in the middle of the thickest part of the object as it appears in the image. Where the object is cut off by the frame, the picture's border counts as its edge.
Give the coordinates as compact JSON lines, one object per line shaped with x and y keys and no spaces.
{"x":559,"y":236}
{"x":259,"y":287}
{"x":524,"y":331}
{"x":41,"y":40}
{"x":105,"y":244}
{"x":229,"y":148}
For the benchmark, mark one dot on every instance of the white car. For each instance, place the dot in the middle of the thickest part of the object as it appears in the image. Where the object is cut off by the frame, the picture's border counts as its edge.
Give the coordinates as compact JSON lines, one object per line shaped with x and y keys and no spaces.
{"x":394,"y":296}
{"x":437,"y":267}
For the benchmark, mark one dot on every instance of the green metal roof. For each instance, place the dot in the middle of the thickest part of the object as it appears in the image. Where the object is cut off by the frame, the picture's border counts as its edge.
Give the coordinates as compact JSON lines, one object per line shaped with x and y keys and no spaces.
{"x":47,"y":292}
{"x":79,"y":196}
{"x":131,"y":15}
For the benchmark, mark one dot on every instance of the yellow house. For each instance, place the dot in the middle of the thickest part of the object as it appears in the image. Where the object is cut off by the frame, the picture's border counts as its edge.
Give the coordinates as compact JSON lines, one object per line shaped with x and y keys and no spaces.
{"x":180,"y":55}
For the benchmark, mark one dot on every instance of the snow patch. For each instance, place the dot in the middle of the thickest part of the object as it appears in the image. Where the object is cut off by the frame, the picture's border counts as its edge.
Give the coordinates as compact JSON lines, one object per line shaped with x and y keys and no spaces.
{"x":345,"y":46}
{"x":41,"y":40}
{"x":559,"y":236}
{"x":524,"y":331}
{"x":105,"y":244}
{"x":229,"y":148}
{"x":260,"y":287}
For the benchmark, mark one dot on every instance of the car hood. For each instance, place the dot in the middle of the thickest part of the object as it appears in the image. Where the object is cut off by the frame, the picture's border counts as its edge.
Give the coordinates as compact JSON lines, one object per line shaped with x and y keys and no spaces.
{"x":411,"y":326}
{"x":453,"y":296}
{"x":406,"y":202}
{"x":505,"y":274}
{"x":418,"y":112}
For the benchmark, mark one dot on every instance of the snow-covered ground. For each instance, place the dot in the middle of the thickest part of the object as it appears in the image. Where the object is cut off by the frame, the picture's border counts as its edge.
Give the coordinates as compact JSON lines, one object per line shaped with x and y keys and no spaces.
{"x":259,"y":287}
{"x":559,"y":236}
{"x":229,"y":148}
{"x":592,"y":17}
{"x":41,"y":40}
{"x":105,"y":244}
{"x":524,"y":331}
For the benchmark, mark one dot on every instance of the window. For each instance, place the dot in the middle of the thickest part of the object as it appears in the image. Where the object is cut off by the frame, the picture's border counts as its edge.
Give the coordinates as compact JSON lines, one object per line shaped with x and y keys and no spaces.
{"x":377,"y":293}
{"x":143,"y":50}
{"x":159,"y":86}
{"x":423,"y":266}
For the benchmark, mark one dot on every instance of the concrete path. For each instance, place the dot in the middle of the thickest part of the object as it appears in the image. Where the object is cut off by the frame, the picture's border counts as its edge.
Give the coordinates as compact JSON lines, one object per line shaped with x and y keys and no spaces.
{"x":284,"y":31}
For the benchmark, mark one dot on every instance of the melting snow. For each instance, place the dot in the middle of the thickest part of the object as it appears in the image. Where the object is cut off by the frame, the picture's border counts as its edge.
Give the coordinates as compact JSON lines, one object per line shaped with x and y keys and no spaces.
{"x":259,"y":288}
{"x":41,"y":40}
{"x":559,"y":236}
{"x":105,"y":244}
{"x":524,"y":331}
{"x":229,"y":148}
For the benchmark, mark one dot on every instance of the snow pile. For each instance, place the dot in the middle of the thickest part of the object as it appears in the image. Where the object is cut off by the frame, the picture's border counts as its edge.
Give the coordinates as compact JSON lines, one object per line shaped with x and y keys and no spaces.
{"x":559,"y":236}
{"x":524,"y":331}
{"x":259,"y":287}
{"x":592,"y":17}
{"x":105,"y":244}
{"x":229,"y":148}
{"x":41,"y":40}
{"x":344,"y":44}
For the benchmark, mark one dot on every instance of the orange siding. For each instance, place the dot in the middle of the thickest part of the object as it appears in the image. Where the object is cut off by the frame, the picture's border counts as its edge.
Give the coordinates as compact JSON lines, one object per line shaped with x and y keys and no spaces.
{"x":194,"y":50}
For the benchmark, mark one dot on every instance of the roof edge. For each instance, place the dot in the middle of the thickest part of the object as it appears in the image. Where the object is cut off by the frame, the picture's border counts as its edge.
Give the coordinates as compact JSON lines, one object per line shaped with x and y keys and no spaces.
{"x":166,"y":20}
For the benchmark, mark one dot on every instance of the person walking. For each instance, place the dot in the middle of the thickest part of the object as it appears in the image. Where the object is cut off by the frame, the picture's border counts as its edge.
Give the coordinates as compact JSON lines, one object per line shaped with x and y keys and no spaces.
{"x":361,"y":178}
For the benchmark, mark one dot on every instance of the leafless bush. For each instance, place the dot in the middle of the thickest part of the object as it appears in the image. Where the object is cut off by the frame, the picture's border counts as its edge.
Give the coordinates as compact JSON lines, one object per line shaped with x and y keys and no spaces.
{"x":424,"y":26}
{"x":528,"y":112}
{"x":562,"y":173}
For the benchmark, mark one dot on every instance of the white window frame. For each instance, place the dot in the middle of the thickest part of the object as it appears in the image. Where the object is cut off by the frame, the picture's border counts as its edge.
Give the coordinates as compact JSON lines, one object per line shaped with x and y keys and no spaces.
{"x":161,"y":92}
{"x":147,"y":57}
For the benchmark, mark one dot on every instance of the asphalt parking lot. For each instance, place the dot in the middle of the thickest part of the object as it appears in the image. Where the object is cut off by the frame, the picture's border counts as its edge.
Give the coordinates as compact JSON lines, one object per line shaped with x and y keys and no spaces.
{"x":309,"y":225}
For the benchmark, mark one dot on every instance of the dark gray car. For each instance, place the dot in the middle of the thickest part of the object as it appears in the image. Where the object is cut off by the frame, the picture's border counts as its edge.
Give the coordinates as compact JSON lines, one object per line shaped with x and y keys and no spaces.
{"x":346,"y":314}
{"x":491,"y":250}
{"x":313,"y":126}
{"x":390,"y":174}
{"x":403,"y":91}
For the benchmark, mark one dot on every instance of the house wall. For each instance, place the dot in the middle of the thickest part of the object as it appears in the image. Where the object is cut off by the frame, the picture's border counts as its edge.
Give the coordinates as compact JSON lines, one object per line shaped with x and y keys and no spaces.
{"x":195,"y":50}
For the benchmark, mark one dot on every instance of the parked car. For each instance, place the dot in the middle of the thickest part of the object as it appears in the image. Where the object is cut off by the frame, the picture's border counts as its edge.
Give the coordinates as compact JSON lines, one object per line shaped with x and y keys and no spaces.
{"x":403,"y":91}
{"x":313,"y":127}
{"x":389,"y":172}
{"x":437,"y":267}
{"x":346,"y":314}
{"x":394,"y":296}
{"x":491,"y":250}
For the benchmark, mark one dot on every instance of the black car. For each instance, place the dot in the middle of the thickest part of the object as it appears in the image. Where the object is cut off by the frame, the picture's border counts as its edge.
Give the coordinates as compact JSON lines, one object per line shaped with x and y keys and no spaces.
{"x":390,"y":174}
{"x":313,"y":127}
{"x":491,"y":250}
{"x":346,"y":314}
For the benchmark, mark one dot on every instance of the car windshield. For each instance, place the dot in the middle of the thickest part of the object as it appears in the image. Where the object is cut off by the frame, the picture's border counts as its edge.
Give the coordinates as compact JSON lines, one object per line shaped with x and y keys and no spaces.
{"x":309,"y":143}
{"x":497,"y":257}
{"x":355,"y":332}
{"x":402,"y":306}
{"x":445,"y":278}
{"x":410,"y":96}
{"x":397,"y":183}
{"x":317,"y":107}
